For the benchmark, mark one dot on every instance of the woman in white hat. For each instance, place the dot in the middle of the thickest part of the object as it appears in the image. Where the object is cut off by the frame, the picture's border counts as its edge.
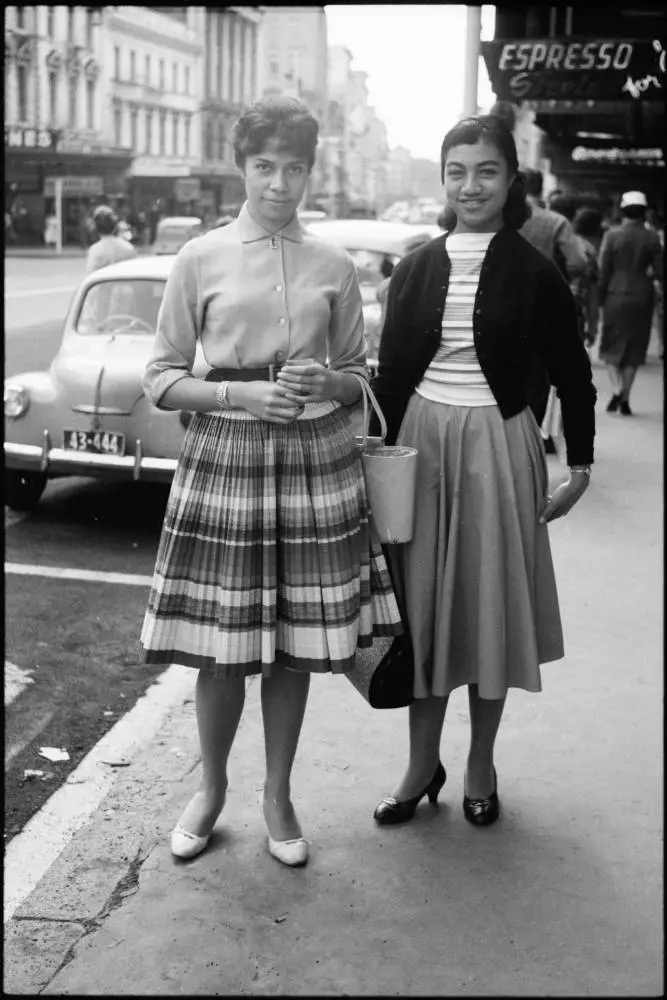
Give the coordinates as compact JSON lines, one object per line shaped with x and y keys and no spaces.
{"x":630,"y":259}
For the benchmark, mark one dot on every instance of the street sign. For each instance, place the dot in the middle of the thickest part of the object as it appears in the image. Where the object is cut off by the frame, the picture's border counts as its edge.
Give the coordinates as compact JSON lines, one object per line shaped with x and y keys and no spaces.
{"x":576,"y":69}
{"x":75,"y":187}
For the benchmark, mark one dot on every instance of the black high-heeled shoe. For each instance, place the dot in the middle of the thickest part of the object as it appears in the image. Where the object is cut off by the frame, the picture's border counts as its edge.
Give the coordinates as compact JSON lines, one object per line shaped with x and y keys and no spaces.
{"x":390,"y":810}
{"x":483,"y":812}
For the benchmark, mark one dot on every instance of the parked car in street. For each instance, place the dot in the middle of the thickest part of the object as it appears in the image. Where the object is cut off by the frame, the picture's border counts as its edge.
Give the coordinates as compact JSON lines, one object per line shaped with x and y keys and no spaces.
{"x":87,"y":415}
{"x":369,"y":241}
{"x":174,"y":231}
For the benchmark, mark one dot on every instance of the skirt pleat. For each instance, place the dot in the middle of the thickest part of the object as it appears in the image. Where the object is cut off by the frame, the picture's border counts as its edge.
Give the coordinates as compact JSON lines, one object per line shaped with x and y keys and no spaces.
{"x":266,"y":551}
{"x":477,"y":577}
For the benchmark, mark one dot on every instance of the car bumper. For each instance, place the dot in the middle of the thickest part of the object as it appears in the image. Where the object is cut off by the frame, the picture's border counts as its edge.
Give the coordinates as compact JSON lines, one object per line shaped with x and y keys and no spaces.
{"x":63,"y":462}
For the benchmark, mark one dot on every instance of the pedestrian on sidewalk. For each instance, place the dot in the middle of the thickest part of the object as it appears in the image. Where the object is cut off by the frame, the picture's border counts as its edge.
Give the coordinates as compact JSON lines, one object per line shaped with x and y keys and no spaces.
{"x":265,"y":564}
{"x":588,"y":227}
{"x":109,"y":247}
{"x":466,"y":317}
{"x":630,"y":258}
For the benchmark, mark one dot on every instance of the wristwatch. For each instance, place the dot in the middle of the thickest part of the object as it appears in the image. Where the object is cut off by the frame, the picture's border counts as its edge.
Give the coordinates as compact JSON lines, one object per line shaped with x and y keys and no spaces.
{"x":587,"y":469}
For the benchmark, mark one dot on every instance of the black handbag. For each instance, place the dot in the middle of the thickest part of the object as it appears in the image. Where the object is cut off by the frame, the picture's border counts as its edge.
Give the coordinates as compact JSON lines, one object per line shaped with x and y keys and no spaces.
{"x":383,"y":673}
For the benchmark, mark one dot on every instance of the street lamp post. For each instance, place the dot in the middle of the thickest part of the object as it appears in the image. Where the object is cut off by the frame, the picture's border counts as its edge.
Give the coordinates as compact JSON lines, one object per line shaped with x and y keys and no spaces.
{"x":473,"y":32}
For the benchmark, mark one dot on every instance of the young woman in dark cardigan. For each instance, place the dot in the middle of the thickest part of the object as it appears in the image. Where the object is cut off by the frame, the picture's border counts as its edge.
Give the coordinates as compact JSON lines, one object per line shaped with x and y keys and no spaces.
{"x":467,"y":317}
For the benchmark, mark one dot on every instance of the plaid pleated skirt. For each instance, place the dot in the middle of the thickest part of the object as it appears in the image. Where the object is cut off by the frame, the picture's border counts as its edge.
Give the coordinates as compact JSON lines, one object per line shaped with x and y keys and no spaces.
{"x":266,"y":553}
{"x":477,"y":577}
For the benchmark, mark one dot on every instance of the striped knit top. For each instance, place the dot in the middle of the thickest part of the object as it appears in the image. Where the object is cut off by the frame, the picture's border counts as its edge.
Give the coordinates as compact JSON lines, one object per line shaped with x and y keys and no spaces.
{"x":454,"y":375}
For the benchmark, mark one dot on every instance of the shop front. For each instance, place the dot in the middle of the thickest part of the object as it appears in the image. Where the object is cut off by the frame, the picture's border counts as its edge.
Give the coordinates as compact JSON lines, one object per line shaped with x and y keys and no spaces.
{"x":34,"y":158}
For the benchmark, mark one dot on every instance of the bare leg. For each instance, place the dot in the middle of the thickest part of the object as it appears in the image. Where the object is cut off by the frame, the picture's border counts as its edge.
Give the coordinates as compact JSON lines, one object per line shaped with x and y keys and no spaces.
{"x":427,"y":716}
{"x":219,"y":705}
{"x":615,"y":378}
{"x":485,"y":716}
{"x":284,"y":697}
{"x":627,"y":378}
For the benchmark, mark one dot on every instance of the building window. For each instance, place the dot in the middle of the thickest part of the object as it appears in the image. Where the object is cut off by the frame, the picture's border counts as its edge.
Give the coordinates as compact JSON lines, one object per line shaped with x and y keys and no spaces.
{"x":50,"y":12}
{"x":221,"y":138}
{"x":70,"y":24}
{"x":22,"y":88}
{"x":118,"y":125}
{"x":20,"y":19}
{"x":147,"y":71}
{"x":232,"y":60}
{"x":134,"y":114}
{"x":149,"y":131}
{"x":162,"y":74}
{"x":90,"y":102}
{"x":163,"y":130}
{"x":89,"y":28}
{"x":133,"y":68}
{"x":208,"y":140}
{"x":187,"y":126}
{"x":53,"y":99}
{"x":187,"y":79}
{"x":71,"y":119}
{"x":174,"y":78}
{"x":174,"y":133}
{"x":116,"y":62}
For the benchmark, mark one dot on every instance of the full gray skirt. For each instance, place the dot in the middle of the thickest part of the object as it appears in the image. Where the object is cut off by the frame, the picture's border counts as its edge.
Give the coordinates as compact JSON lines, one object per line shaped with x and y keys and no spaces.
{"x":477,"y":578}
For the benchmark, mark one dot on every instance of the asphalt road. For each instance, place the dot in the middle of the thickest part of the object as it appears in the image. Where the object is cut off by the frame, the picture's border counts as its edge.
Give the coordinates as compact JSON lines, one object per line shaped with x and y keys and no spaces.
{"x":73,"y":644}
{"x":37,"y":295}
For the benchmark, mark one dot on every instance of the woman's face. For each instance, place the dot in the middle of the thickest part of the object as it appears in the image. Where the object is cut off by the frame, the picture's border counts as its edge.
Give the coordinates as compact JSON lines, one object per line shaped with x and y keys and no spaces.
{"x":477,"y":181}
{"x":275,"y":181}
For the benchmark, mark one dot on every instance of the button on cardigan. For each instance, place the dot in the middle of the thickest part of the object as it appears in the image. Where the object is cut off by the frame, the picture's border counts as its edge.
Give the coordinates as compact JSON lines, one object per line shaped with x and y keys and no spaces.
{"x":252,"y":299}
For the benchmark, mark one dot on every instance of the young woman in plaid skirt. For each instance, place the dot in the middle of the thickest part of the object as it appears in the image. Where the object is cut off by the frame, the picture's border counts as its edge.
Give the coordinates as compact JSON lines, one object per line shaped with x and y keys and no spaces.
{"x":265,"y":564}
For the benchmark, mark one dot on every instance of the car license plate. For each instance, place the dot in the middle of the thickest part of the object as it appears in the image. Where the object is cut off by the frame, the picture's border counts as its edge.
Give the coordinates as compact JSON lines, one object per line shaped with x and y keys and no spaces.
{"x":98,"y":442}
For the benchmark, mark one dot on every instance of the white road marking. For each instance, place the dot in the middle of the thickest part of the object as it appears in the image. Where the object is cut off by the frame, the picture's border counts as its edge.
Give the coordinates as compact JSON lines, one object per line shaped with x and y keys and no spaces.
{"x":40,"y":291}
{"x":32,"y":852}
{"x":93,"y":576}
{"x":16,"y":680}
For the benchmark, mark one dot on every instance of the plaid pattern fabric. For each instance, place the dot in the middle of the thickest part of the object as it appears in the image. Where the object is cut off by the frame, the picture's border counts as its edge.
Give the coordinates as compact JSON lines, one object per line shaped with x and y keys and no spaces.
{"x":266,"y":551}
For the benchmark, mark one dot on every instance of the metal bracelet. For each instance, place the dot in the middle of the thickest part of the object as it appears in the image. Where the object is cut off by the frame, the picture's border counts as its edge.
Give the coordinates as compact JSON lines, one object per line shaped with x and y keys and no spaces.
{"x":221,"y":396}
{"x":587,"y":469}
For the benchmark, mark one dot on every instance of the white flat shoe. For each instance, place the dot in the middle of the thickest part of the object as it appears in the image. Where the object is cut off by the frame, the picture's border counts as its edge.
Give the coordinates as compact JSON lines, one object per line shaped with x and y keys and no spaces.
{"x":185,"y":844}
{"x":290,"y":852}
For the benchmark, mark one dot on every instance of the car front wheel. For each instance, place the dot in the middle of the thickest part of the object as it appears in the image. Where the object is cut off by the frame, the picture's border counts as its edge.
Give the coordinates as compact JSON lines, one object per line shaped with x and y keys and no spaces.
{"x":23,"y":489}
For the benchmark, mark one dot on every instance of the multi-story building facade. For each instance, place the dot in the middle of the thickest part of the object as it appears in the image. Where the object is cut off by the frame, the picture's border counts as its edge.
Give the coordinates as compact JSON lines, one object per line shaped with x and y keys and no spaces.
{"x":154,"y":60}
{"x":294,"y":62}
{"x":399,"y":174}
{"x":55,"y":118}
{"x":231,"y":81}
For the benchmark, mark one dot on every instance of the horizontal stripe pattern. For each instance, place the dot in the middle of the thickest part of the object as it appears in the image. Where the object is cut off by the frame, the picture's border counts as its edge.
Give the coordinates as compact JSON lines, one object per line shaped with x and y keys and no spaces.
{"x":266,"y":551}
{"x":454,"y":375}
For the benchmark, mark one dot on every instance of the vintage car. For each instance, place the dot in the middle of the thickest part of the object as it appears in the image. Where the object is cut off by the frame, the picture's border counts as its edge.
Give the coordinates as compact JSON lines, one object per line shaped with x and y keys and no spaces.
{"x":87,"y":415}
{"x":369,"y":242}
{"x":174,"y":231}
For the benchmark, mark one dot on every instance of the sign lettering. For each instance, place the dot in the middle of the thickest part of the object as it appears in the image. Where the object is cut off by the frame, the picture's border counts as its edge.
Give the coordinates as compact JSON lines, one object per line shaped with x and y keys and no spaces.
{"x":603,"y":69}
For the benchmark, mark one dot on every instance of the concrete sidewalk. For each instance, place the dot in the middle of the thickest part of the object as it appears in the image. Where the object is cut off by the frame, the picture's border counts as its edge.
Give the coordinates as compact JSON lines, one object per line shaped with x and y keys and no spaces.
{"x":562,"y":897}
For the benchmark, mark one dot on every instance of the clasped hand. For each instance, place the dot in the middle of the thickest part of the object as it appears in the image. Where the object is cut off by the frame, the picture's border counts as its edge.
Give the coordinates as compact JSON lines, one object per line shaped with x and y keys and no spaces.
{"x":282,"y":401}
{"x":307,"y":381}
{"x":564,"y":497}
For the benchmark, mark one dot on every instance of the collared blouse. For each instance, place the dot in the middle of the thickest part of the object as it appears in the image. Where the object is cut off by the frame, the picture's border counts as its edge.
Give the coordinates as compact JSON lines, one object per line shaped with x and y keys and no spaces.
{"x":252,"y":299}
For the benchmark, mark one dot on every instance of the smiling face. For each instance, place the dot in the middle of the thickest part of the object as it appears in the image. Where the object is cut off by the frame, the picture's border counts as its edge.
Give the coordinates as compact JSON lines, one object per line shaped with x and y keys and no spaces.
{"x":477,"y":181}
{"x":275,"y":181}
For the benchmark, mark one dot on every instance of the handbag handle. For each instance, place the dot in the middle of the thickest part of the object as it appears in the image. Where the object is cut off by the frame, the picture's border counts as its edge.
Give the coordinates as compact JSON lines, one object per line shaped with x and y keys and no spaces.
{"x":368,"y":394}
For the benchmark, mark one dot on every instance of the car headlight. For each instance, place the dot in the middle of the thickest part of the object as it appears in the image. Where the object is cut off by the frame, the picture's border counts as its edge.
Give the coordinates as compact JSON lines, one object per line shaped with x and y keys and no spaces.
{"x":17,"y":401}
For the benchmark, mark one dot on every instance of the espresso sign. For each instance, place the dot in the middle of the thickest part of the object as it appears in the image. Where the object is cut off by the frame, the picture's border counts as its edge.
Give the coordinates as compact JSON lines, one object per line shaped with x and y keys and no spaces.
{"x":582,"y":69}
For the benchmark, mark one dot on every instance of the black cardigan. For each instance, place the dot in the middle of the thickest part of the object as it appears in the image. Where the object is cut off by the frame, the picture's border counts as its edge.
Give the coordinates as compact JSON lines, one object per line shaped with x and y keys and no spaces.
{"x":524,"y":312}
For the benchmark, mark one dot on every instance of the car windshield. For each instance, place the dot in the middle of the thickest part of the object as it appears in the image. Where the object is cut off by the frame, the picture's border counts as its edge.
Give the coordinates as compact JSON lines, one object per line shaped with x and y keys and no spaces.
{"x":368,"y":264}
{"x":121,"y":306}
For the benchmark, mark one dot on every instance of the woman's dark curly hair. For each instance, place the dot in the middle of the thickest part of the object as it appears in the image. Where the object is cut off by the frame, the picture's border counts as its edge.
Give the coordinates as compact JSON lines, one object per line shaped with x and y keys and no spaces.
{"x":286,"y":119}
{"x":489,"y":128}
